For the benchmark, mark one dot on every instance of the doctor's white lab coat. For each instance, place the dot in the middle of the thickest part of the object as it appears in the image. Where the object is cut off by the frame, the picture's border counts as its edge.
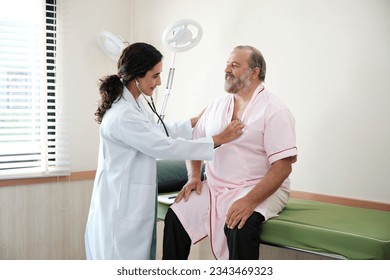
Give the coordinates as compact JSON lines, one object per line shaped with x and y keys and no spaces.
{"x":122,"y":212}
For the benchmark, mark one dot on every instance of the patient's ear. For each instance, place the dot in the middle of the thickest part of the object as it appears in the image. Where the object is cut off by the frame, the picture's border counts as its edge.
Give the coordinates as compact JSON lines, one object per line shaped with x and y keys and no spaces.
{"x":255,"y":73}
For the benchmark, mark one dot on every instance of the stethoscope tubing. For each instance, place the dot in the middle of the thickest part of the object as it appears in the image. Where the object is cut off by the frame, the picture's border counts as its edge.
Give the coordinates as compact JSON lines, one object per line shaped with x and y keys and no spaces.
{"x":154,"y":110}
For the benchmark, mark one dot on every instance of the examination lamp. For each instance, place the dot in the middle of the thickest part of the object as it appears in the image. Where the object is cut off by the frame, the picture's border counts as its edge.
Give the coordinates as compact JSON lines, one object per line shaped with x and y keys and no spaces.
{"x":179,"y":37}
{"x":110,"y":44}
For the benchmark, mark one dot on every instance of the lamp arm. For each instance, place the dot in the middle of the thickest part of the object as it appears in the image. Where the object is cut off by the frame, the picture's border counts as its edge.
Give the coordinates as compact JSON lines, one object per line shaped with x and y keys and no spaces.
{"x":169,"y":86}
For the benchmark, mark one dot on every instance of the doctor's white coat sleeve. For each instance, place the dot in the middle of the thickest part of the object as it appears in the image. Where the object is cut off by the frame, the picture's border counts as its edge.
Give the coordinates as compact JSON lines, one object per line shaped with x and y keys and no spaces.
{"x":179,"y":129}
{"x":140,"y":133}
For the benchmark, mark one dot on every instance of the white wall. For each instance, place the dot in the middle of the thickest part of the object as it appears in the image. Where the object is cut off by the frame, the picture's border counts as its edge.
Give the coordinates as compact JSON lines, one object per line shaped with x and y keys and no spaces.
{"x":328,"y":60}
{"x":84,"y":64}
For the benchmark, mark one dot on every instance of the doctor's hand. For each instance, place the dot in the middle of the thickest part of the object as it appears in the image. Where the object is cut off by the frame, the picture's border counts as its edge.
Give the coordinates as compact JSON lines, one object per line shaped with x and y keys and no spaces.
{"x":232,"y":131}
{"x":193,"y":183}
{"x":239,"y":212}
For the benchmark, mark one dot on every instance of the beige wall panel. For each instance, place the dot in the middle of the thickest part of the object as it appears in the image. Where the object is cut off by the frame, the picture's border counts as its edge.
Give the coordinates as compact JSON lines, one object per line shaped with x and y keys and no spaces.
{"x":45,"y":221}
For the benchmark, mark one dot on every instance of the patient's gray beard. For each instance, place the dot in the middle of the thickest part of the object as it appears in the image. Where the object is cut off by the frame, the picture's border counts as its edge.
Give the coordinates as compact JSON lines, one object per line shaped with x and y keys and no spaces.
{"x":238,"y":83}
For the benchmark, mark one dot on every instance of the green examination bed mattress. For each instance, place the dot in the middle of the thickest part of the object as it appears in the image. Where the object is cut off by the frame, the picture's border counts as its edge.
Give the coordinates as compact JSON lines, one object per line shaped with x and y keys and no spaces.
{"x":354,"y":233}
{"x":325,"y":228}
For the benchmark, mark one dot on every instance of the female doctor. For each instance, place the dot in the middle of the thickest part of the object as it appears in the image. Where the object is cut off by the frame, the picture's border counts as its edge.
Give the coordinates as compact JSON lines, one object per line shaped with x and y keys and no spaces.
{"x":121,"y":218}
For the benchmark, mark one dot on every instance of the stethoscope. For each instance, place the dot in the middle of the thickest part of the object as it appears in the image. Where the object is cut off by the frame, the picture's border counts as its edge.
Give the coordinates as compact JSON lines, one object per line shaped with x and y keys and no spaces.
{"x":152,"y":107}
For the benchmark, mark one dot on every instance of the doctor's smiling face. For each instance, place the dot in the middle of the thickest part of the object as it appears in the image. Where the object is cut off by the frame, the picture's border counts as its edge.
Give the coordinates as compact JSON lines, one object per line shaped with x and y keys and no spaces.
{"x":151,"y":80}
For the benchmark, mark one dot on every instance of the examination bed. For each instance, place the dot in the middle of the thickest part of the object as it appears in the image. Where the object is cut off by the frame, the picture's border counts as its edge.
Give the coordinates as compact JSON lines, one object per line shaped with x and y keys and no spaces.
{"x":310,"y":226}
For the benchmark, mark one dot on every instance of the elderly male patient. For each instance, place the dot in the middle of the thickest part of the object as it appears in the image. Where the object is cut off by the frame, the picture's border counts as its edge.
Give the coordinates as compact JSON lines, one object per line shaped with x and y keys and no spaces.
{"x":247,"y":181}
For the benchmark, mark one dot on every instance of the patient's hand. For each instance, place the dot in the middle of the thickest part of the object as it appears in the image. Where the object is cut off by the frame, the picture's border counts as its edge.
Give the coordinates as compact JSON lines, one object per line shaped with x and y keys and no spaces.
{"x":239,"y":212}
{"x":192,"y":184}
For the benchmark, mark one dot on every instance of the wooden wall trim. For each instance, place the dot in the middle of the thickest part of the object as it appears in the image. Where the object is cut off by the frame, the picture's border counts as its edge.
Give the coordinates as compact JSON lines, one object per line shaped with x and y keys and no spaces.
{"x":90,"y":175}
{"x":341,"y":200}
{"x":74,"y":176}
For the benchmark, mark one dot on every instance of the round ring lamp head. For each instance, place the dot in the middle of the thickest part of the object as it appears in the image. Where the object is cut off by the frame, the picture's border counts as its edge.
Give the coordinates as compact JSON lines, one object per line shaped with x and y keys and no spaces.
{"x":182,"y":35}
{"x":110,"y":44}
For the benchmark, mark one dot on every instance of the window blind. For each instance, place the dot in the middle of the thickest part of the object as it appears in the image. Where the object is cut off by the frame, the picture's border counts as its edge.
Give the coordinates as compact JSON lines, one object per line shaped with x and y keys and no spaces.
{"x":30,"y":122}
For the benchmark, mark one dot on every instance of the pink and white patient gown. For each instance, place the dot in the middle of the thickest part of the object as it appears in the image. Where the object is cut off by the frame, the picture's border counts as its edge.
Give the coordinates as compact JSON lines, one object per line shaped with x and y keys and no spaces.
{"x":269,"y":135}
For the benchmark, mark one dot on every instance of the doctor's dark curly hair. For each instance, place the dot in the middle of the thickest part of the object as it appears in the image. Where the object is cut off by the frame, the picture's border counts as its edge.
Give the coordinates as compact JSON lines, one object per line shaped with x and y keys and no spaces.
{"x":134,"y":62}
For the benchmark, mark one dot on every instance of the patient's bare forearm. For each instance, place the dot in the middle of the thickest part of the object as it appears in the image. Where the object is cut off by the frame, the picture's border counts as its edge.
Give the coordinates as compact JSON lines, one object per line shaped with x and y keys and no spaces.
{"x":194,"y":168}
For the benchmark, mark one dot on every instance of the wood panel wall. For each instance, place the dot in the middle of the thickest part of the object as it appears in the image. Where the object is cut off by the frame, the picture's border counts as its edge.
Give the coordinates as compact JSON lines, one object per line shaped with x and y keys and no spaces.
{"x":44,"y":221}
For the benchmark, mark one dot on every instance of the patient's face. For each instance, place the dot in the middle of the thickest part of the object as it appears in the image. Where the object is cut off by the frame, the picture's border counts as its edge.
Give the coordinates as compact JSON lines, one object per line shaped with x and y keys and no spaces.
{"x":237,"y":71}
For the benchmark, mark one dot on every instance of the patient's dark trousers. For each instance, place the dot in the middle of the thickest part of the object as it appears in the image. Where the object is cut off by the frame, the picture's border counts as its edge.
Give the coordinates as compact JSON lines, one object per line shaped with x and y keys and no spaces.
{"x":243,"y":244}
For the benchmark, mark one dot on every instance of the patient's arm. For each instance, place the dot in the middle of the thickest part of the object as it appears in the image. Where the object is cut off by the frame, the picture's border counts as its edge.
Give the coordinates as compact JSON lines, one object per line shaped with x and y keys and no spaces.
{"x":194,"y":120}
{"x":243,"y":208}
{"x":194,"y":168}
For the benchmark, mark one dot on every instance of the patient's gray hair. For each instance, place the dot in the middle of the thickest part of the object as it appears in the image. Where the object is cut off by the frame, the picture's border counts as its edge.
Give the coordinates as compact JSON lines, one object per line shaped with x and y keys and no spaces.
{"x":256,"y":60}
